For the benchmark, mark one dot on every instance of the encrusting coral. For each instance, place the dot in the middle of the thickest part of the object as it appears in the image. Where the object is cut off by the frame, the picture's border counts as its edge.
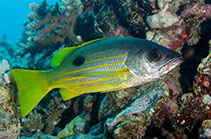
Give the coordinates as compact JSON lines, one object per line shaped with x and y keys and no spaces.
{"x":78,"y":124}
{"x":9,"y":122}
{"x":138,"y":114}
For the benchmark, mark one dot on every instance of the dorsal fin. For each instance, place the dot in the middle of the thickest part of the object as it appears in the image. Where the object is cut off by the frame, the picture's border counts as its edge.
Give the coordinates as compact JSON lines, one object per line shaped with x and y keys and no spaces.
{"x":64,"y":52}
{"x":60,"y":56}
{"x":89,"y":42}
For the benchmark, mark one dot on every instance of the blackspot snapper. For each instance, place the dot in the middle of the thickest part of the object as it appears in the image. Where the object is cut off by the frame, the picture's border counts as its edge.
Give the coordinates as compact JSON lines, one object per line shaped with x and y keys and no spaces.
{"x":101,"y":65}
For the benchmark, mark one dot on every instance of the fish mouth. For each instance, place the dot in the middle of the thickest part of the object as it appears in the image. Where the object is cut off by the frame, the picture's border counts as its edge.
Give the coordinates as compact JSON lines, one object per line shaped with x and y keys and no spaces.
{"x":171,"y":65}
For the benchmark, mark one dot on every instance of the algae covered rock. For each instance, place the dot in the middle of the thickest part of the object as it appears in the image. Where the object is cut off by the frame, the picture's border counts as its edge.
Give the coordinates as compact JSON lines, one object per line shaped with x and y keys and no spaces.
{"x":136,"y":116}
{"x":78,"y":124}
{"x":9,"y":122}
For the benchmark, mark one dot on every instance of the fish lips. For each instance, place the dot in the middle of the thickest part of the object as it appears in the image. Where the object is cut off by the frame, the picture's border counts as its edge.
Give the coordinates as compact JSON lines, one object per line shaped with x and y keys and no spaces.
{"x":171,"y":65}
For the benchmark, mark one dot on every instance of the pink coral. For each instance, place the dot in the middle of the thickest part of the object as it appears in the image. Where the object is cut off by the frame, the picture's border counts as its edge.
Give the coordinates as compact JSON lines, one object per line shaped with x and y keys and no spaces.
{"x":198,"y":9}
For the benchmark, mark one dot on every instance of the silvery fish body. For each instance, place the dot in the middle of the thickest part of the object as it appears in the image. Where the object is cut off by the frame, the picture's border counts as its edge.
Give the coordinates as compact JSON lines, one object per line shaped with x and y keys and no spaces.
{"x":114,"y":63}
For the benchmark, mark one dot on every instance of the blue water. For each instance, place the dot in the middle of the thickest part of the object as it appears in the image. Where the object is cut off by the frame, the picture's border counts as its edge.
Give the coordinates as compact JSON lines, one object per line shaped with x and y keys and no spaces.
{"x":13,"y":14}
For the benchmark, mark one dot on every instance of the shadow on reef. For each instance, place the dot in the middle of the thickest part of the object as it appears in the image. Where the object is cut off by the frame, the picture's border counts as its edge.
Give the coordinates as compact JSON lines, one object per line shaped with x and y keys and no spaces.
{"x":192,"y":57}
{"x":75,"y":109}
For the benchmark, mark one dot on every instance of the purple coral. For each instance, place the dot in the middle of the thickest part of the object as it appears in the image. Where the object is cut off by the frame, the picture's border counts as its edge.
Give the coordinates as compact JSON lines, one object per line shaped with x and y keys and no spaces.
{"x":197,"y":9}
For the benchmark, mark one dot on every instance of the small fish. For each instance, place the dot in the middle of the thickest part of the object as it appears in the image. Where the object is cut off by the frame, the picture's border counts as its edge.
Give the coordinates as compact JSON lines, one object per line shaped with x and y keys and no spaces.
{"x":101,"y":65}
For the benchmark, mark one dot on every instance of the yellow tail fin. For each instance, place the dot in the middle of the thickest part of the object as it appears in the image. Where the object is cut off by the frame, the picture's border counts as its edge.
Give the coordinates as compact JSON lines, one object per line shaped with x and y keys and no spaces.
{"x":32,"y":87}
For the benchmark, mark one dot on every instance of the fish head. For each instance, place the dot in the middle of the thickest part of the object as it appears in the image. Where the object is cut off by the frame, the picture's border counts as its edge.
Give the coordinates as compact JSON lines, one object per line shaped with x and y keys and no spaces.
{"x":152,"y":61}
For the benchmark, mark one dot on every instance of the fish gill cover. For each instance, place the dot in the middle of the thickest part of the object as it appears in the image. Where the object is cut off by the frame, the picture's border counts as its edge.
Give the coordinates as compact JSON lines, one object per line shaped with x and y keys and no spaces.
{"x":175,"y":106}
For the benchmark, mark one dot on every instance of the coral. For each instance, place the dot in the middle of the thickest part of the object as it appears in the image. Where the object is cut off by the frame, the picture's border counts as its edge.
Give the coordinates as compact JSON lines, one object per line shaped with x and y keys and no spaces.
{"x":205,"y":129}
{"x":40,"y":136}
{"x":130,"y":113}
{"x":55,"y":109}
{"x":45,"y":116}
{"x":202,"y":82}
{"x":50,"y":26}
{"x":167,"y":23}
{"x":163,"y":19}
{"x":32,"y":124}
{"x":78,"y":124}
{"x":181,"y":28}
{"x":138,"y":114}
{"x":202,"y":86}
{"x":4,"y":67}
{"x":197,"y":9}
{"x":9,"y":120}
{"x":116,"y":101}
{"x":183,"y":111}
{"x":132,"y":13}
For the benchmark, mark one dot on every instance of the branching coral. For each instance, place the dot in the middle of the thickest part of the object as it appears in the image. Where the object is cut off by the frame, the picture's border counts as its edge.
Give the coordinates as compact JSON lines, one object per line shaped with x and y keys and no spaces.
{"x":32,"y":125}
{"x":51,"y":26}
{"x":45,"y":116}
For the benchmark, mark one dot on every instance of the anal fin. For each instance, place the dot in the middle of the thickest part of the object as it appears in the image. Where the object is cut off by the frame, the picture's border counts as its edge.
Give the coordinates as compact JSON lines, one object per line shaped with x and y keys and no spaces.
{"x":68,"y":94}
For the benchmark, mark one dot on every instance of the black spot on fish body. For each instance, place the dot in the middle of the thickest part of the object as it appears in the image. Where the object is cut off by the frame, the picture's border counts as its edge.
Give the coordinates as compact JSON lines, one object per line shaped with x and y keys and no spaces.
{"x":79,"y":60}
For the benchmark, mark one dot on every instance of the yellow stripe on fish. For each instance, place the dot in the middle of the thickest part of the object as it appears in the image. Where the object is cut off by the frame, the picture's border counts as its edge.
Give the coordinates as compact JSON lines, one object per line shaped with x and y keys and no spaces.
{"x":94,"y":67}
{"x":104,"y":58}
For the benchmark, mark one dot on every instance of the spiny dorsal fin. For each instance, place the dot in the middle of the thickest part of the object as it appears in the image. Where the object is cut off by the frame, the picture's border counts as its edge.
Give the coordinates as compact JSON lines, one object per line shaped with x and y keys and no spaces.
{"x":89,"y":42}
{"x":63,"y":53}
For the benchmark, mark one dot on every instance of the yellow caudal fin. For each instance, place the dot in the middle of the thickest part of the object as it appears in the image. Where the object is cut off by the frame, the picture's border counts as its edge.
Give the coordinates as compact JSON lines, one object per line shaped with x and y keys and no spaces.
{"x":32,"y":87}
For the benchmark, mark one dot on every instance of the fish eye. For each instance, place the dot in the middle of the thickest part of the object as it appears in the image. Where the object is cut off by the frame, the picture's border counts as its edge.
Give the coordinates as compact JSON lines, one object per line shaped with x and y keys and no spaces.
{"x":155,"y":55}
{"x":79,"y":60}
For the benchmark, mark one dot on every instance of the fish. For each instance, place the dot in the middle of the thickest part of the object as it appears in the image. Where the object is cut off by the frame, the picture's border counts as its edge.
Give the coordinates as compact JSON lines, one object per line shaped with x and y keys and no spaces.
{"x":101,"y":65}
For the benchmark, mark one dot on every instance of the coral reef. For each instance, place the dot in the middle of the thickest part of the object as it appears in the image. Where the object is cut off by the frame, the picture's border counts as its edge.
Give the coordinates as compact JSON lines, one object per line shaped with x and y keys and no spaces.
{"x":171,"y":30}
{"x":40,"y":136}
{"x":202,"y":84}
{"x":45,"y":116}
{"x":137,"y":116}
{"x":172,"y":107}
{"x":9,"y":122}
{"x":184,"y":111}
{"x":144,"y":103}
{"x":78,"y":124}
{"x":51,"y":25}
{"x":205,"y":129}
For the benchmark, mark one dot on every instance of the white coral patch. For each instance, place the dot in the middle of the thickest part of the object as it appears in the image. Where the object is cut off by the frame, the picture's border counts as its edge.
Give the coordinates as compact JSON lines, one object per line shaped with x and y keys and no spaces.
{"x":162,"y":19}
{"x":4,"y":66}
{"x":150,"y":35}
{"x":206,"y":99}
